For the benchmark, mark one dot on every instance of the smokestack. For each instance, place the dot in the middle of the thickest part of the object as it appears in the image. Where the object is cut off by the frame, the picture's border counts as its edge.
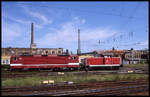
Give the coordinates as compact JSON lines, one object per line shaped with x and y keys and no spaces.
{"x":32,"y":45}
{"x":32,"y":36}
{"x":78,"y":51}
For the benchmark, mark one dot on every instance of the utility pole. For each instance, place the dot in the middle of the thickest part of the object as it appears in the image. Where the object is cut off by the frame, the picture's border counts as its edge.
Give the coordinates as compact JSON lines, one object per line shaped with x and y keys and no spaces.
{"x":132,"y":54}
{"x":32,"y":35}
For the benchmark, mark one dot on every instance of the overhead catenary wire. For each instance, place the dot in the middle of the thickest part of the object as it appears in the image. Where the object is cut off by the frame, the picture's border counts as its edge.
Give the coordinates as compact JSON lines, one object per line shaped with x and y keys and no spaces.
{"x":87,"y":11}
{"x":130,"y":34}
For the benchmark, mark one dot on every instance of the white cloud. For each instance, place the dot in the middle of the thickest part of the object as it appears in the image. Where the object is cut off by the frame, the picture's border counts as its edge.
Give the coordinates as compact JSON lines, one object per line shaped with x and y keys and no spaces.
{"x":12,"y":30}
{"x":59,"y":36}
{"x":39,"y":16}
{"x":67,"y":35}
{"x":41,"y":19}
{"x":97,"y":33}
{"x":16,"y":19}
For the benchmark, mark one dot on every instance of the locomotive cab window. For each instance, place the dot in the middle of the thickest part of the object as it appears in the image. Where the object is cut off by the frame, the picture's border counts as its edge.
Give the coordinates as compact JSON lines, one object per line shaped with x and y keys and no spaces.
{"x":74,"y":58}
{"x":15,"y":58}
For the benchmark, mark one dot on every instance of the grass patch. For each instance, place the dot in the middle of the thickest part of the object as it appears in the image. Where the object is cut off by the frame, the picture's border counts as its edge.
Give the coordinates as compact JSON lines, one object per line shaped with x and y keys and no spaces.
{"x":36,"y":80}
{"x":136,"y":65}
{"x":21,"y":81}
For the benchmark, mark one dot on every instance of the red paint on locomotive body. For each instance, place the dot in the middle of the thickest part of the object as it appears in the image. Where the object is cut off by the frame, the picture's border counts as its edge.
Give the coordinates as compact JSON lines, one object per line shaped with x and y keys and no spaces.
{"x":103,"y":61}
{"x":50,"y":61}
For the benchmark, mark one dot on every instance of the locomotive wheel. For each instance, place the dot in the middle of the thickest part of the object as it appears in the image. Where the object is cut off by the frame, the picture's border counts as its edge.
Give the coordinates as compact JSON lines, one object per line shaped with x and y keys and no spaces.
{"x":121,"y":65}
{"x":86,"y":69}
{"x":117,"y":68}
{"x":55,"y":69}
{"x":11,"y":69}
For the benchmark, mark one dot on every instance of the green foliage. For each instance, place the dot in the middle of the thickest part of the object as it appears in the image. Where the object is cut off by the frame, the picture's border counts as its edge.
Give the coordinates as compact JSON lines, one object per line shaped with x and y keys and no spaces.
{"x":142,"y":61}
{"x":37,"y":80}
{"x":135,"y":65}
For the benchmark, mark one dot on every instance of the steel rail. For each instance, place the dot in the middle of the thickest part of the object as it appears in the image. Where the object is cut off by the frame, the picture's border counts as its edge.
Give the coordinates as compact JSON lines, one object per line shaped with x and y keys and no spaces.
{"x":76,"y":85}
{"x":89,"y":91}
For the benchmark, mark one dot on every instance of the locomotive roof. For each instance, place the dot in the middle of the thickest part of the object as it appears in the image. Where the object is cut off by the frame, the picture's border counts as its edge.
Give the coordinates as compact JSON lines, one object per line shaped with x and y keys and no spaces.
{"x":44,"y":55}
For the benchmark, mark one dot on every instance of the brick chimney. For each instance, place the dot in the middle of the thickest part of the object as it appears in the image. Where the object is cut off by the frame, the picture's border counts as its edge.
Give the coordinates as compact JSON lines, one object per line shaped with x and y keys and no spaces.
{"x":32,"y":45}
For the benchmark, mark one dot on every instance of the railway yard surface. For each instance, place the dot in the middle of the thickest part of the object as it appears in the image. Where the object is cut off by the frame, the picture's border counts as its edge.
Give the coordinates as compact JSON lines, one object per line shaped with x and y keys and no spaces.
{"x":127,"y":81}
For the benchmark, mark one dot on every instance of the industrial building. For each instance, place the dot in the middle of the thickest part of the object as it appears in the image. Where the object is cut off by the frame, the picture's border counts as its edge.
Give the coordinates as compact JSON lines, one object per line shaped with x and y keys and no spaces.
{"x":7,"y":52}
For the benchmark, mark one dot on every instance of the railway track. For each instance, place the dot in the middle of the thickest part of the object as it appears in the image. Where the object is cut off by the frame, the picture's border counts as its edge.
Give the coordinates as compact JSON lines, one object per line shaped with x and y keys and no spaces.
{"x":77,"y":85}
{"x":100,"y":88}
{"x":102,"y":92}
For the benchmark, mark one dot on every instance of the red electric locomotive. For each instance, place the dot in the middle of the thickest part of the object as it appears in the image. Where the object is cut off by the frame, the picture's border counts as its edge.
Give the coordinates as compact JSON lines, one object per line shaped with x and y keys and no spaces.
{"x":54,"y":62}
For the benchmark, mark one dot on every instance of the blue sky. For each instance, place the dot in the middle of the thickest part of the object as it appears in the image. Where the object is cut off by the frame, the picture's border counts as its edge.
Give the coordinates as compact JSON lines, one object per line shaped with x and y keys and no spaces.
{"x":122,"y":25}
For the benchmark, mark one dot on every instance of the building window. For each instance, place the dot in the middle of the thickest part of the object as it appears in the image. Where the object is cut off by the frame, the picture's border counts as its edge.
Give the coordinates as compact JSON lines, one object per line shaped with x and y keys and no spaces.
{"x":33,"y":51}
{"x":6,"y":53}
{"x":3,"y":61}
{"x":12,"y":52}
{"x":38,"y":51}
{"x":19,"y":52}
{"x":7,"y":61}
{"x":46,"y":52}
{"x":53,"y":52}
{"x":59,"y":52}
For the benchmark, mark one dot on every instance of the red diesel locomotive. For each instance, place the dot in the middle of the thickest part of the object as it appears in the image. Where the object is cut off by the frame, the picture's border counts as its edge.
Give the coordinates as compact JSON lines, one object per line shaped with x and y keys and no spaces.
{"x":58,"y":62}
{"x":105,"y":62}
